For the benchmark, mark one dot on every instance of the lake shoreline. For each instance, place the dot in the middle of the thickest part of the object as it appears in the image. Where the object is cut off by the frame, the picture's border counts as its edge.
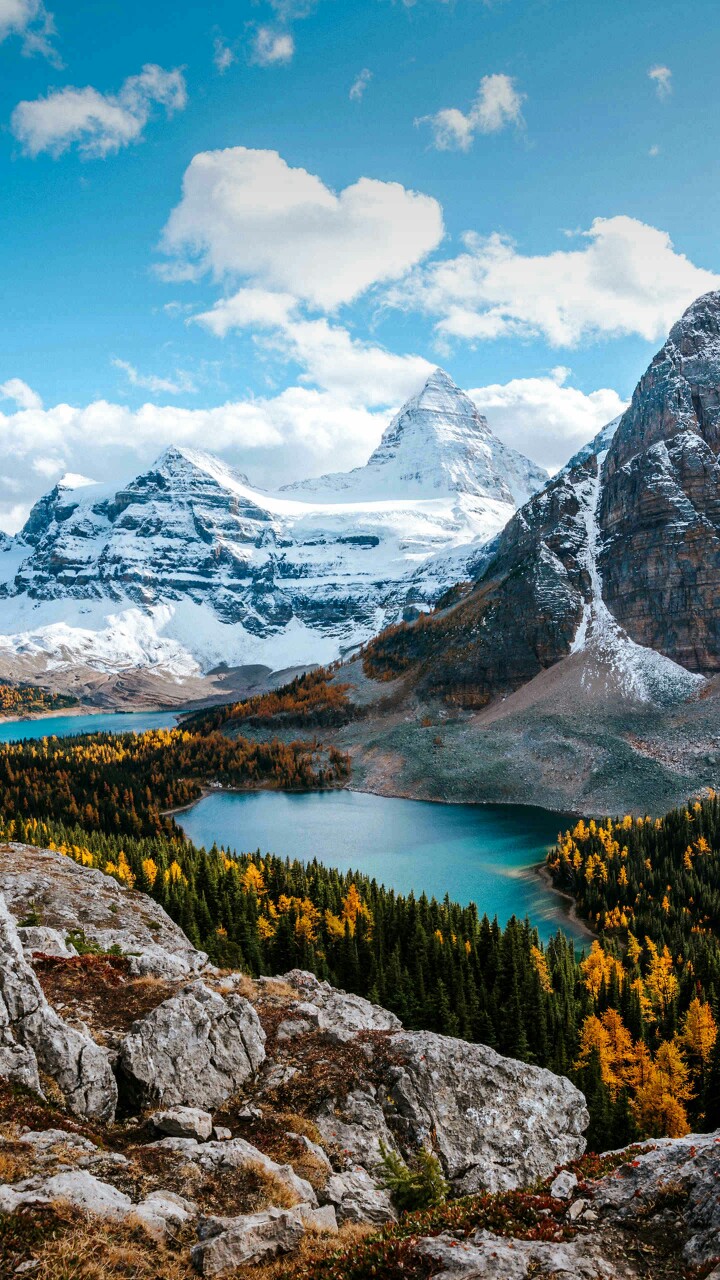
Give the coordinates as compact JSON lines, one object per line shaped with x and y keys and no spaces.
{"x":542,"y":871}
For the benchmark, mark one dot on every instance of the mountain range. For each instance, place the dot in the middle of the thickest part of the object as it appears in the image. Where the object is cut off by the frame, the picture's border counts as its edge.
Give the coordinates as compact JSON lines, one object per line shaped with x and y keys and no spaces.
{"x":188,"y":566}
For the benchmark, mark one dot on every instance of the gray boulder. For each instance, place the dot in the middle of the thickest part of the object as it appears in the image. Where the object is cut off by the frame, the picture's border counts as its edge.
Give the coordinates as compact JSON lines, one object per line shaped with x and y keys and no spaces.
{"x":159,"y":1212}
{"x":563,"y":1186}
{"x":339,"y":1014}
{"x":357,"y":1125}
{"x":34,"y":1039}
{"x":183,"y":1122}
{"x":72,"y":898}
{"x":228,"y":1244}
{"x":357,"y":1198}
{"x":77,"y":1187}
{"x":683,"y":1171}
{"x":195,"y":1049}
{"x":236,"y":1153}
{"x":39,"y":940}
{"x":496,"y":1123}
{"x":489,"y":1257}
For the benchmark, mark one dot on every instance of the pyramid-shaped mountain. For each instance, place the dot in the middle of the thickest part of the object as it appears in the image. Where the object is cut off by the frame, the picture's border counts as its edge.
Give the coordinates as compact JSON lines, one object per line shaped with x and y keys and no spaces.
{"x":438,"y":444}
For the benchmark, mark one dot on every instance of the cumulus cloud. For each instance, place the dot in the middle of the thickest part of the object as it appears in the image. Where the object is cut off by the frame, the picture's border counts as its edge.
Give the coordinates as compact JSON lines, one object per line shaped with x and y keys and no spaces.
{"x":181,"y":384}
{"x":498,"y":103}
{"x":360,"y":84}
{"x":223,"y":55}
{"x":248,"y":214}
{"x":271,"y":47}
{"x":624,"y":277}
{"x":99,"y":123}
{"x":544,"y":417}
{"x":19,"y":391}
{"x":662,"y":79}
{"x":30,"y":20}
{"x":248,"y":309}
{"x":360,"y":373}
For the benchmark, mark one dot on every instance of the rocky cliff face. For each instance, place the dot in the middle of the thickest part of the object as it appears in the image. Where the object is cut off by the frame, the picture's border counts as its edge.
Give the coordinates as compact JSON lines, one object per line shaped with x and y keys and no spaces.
{"x":189,"y":566}
{"x":618,"y":558}
{"x":659,"y":510}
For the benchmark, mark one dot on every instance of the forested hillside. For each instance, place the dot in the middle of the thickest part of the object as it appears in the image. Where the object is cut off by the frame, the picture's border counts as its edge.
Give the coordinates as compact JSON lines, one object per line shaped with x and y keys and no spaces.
{"x":21,"y":699}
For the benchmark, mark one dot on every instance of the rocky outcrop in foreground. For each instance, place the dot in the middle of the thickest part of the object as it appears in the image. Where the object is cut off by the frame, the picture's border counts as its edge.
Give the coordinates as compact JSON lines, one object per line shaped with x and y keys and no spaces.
{"x":275,"y":1097}
{"x":34,"y":1040}
{"x":75,"y":900}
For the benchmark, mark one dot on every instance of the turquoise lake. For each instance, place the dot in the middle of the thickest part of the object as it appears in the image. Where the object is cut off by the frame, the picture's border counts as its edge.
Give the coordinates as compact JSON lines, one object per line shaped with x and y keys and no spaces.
{"x":474,"y":853}
{"x":62,"y":726}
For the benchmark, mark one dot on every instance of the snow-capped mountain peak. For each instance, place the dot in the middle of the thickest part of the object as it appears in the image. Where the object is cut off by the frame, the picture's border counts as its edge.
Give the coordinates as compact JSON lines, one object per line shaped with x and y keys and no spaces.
{"x":438,"y":444}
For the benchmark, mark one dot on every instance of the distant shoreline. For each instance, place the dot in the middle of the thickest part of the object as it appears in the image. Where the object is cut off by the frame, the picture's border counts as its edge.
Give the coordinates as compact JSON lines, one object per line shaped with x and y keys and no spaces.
{"x":79,"y":710}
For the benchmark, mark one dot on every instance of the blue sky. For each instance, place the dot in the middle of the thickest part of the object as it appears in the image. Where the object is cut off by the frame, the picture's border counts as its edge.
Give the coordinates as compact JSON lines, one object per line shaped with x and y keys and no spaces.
{"x":525,"y":192}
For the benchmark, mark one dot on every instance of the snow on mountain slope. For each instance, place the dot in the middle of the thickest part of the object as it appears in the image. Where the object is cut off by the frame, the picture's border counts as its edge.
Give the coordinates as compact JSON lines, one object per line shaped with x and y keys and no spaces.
{"x":640,"y":673}
{"x":188,"y":566}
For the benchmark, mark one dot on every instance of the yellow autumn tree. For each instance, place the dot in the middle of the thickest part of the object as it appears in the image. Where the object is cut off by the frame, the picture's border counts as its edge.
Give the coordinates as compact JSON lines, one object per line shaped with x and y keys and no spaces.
{"x":541,"y":965}
{"x":610,"y":1039}
{"x":699,"y":1032}
{"x":252,"y":880}
{"x":598,"y":965}
{"x":661,"y":981}
{"x":658,"y":1105}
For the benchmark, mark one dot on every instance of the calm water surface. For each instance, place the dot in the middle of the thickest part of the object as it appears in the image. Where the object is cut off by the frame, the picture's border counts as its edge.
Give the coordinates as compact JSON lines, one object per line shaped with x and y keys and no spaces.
{"x":474,"y":853}
{"x":61,"y":726}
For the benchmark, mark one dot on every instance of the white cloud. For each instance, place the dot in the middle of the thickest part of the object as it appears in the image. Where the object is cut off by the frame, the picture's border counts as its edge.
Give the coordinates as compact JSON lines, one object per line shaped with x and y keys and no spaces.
{"x":654,"y":151}
{"x":48,"y":467}
{"x":19,"y":391}
{"x":662,"y":79}
{"x":246,"y":213}
{"x":300,"y":432}
{"x":624,"y":277}
{"x":30,"y":20}
{"x":360,"y":84}
{"x":543,"y":417}
{"x":247,"y":309}
{"x":99,"y":123}
{"x":498,"y":103}
{"x":357,"y":372}
{"x":271,"y":47}
{"x":181,"y":384}
{"x":223,"y":55}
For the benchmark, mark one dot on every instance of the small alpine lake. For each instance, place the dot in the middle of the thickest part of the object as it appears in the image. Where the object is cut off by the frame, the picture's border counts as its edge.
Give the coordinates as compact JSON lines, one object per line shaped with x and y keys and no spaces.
{"x":63,"y":726}
{"x":485,"y":854}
